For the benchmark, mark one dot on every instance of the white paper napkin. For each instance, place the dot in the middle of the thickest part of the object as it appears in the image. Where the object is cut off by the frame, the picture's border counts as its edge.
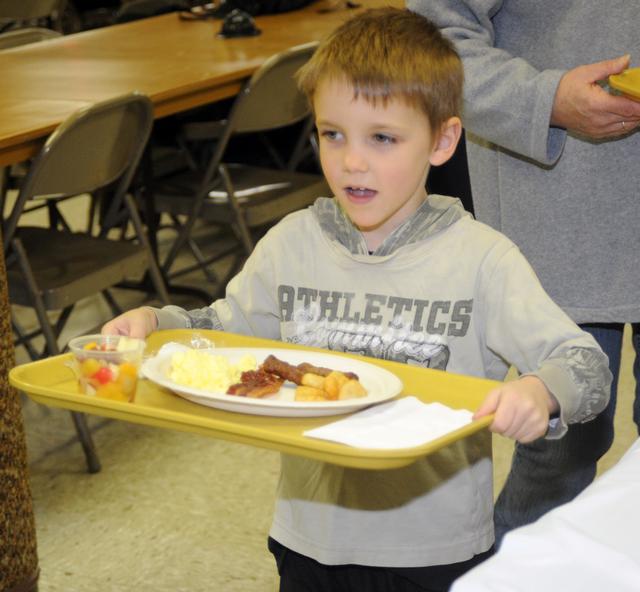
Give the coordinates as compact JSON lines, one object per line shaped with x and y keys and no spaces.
{"x":403,"y":423}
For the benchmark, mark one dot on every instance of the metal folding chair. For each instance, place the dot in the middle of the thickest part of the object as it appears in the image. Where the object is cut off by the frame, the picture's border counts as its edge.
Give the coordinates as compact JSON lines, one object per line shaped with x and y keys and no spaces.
{"x":97,"y":149}
{"x":243,"y":198}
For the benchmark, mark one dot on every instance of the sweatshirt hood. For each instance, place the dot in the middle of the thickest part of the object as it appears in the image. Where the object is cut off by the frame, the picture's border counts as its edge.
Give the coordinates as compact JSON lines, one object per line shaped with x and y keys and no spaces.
{"x":435,"y":214}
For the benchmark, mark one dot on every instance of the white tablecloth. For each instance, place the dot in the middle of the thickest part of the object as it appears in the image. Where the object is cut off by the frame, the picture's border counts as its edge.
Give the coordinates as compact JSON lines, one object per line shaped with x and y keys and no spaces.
{"x":591,"y":544}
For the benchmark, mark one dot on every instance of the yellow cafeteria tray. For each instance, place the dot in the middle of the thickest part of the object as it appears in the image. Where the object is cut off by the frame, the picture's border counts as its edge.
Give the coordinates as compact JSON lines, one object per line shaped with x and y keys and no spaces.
{"x":51,"y":382}
{"x":627,"y":82}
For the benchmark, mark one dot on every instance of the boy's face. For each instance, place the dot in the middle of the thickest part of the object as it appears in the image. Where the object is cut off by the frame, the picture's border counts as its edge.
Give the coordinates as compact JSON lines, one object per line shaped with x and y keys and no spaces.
{"x":375,"y":159}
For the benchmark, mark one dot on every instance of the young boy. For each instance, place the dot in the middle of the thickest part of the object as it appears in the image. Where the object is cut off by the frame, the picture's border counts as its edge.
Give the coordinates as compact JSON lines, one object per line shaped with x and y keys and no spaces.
{"x":384,"y":270}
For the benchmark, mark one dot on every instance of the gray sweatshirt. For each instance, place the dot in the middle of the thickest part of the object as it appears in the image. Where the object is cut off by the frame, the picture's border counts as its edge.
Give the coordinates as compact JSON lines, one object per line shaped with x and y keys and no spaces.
{"x":570,"y":204}
{"x":443,"y":291}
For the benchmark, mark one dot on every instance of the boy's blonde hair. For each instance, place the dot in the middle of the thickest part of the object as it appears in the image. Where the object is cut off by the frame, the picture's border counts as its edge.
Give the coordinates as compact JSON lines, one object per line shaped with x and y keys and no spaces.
{"x":390,"y":53}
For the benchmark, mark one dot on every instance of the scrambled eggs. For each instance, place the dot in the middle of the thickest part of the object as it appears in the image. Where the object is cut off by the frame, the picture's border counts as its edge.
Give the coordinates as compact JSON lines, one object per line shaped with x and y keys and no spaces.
{"x":202,"y":370}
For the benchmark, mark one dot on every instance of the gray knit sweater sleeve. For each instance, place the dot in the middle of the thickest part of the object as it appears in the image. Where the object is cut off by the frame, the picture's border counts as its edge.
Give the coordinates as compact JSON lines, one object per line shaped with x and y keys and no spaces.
{"x":507,"y":101}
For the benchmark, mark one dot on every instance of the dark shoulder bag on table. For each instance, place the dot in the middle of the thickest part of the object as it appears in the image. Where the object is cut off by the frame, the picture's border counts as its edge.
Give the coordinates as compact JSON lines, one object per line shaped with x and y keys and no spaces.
{"x":258,"y":7}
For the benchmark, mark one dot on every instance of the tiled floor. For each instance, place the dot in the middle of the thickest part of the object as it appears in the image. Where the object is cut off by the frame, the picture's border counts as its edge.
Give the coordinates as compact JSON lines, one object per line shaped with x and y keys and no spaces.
{"x":170,"y":512}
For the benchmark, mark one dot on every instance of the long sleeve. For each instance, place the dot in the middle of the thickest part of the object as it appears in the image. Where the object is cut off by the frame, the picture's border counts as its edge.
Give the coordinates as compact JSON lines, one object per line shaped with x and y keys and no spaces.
{"x":526,"y":328}
{"x":249,"y":306}
{"x":507,"y":101}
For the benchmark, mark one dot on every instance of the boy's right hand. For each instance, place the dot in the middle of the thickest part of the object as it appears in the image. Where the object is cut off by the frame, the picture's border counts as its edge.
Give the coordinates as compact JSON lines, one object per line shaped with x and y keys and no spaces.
{"x":138,"y":322}
{"x":521,"y":409}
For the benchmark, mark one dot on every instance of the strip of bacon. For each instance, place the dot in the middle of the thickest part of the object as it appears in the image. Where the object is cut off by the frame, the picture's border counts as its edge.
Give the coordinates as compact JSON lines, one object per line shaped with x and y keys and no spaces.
{"x":256,"y":384}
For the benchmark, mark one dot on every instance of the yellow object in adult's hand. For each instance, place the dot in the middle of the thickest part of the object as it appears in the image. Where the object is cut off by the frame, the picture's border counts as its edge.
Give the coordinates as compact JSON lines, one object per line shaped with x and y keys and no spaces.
{"x":627,"y":82}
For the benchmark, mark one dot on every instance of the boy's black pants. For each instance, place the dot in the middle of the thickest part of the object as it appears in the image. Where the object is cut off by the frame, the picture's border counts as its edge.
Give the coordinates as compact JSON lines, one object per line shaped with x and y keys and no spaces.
{"x":302,"y":574}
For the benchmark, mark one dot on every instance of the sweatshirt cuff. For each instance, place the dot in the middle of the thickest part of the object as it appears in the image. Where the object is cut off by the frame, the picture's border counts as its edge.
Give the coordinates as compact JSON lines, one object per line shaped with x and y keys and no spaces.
{"x":171,"y":317}
{"x":559,"y":384}
{"x":547,"y":146}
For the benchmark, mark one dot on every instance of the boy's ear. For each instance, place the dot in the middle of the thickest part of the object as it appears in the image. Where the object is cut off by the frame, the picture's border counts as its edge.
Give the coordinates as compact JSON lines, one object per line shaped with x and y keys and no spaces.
{"x":446,"y":142}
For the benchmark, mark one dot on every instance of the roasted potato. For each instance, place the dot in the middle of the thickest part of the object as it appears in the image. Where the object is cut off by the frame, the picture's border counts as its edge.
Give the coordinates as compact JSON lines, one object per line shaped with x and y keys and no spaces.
{"x":314,"y":380}
{"x":333,"y":383}
{"x":352,"y":389}
{"x":310,"y":393}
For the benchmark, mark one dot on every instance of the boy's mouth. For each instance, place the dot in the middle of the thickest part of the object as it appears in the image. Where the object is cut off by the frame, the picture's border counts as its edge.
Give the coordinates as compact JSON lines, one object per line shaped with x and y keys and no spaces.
{"x":360,"y":192}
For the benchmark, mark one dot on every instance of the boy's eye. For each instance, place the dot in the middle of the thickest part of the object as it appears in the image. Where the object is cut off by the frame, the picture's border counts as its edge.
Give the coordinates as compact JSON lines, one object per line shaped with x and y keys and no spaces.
{"x":383,"y":139}
{"x":330,"y":134}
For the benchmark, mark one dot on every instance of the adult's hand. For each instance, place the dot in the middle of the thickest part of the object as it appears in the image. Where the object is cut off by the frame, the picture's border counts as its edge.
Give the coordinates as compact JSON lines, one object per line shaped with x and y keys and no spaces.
{"x":582,"y":105}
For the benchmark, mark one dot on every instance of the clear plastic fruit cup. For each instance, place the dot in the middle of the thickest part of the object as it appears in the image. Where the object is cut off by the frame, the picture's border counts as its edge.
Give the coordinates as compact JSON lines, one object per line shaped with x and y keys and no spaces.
{"x":107,"y":365}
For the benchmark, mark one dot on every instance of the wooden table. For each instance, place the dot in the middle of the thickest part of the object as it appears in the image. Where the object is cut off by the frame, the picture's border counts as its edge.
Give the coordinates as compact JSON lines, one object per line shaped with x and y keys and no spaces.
{"x":178,"y":64}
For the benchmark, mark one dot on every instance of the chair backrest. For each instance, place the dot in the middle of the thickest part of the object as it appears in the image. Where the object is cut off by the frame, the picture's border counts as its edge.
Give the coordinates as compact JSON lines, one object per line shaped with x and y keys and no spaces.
{"x":29,"y":9}
{"x":19,"y":37}
{"x":271,"y":99}
{"x":95,"y":147}
{"x":140,"y":9}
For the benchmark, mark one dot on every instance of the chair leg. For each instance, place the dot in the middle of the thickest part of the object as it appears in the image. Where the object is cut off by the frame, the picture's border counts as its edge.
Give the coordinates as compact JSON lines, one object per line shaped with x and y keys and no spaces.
{"x":202,"y":261}
{"x":241,"y":227}
{"x":38,"y":304}
{"x":86,"y":441}
{"x":80,"y":422}
{"x":305,"y":140}
{"x":24,"y":338}
{"x":184,"y":232}
{"x":154,"y":270}
{"x":113,"y":305}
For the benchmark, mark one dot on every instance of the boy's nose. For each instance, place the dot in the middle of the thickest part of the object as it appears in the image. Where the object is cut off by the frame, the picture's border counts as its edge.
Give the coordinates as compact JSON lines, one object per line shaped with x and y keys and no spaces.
{"x":354,"y":160}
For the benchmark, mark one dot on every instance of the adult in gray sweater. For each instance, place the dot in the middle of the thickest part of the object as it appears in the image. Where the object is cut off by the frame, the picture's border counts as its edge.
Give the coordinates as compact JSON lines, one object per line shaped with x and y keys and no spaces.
{"x":554,"y":164}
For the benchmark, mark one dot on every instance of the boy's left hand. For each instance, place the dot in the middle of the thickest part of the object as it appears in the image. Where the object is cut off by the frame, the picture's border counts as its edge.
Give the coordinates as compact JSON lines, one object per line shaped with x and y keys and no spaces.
{"x":521,"y":409}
